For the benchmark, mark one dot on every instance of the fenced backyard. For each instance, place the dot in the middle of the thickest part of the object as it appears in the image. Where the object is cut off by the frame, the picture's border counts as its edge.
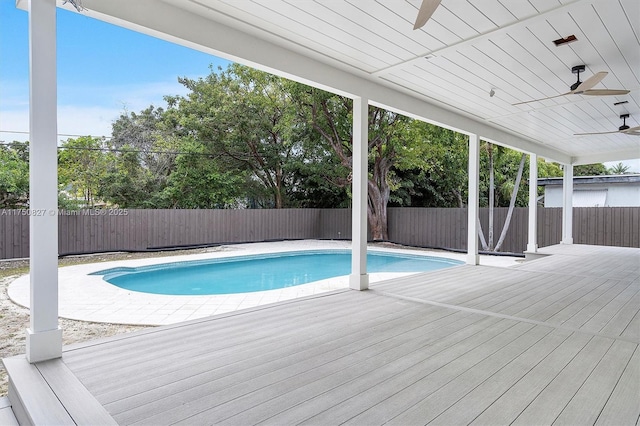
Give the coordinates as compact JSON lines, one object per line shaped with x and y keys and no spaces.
{"x":91,"y":231}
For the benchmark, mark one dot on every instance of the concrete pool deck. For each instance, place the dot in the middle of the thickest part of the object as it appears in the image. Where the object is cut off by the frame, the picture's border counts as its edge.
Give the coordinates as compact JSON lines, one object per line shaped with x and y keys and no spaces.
{"x":89,"y":298}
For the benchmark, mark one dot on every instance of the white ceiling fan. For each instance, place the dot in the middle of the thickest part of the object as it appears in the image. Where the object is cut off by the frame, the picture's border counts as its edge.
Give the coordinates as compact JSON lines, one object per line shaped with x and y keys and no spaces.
{"x":584,"y":87}
{"x":624,"y":129}
{"x":426,"y":10}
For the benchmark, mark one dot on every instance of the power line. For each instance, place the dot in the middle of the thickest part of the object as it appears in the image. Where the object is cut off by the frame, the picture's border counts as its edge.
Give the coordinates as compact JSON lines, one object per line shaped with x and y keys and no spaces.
{"x":22,"y":132}
{"x":135,"y":151}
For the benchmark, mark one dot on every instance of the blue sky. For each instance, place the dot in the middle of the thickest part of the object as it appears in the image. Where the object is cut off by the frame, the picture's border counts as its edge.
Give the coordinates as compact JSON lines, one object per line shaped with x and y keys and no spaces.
{"x":102,"y":70}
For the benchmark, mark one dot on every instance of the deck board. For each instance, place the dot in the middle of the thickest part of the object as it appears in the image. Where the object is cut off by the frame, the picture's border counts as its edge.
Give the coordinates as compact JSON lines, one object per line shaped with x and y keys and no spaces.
{"x":509,"y":405}
{"x":249,"y":336}
{"x":589,"y":290}
{"x":365,"y":391}
{"x":553,"y":400}
{"x":7,"y":418}
{"x":466,"y":409}
{"x":552,"y":340}
{"x":511,"y":332}
{"x":284,"y":364}
{"x":205,"y":368}
{"x":624,"y":405}
{"x":586,"y":405}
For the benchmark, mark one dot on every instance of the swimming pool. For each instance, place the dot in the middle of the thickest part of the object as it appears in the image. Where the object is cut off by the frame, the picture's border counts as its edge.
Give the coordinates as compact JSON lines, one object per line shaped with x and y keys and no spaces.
{"x":243,"y":274}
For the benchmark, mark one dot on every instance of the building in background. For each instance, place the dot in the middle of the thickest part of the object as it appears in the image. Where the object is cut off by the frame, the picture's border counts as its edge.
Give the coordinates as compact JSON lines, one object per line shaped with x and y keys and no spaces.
{"x":595,"y":191}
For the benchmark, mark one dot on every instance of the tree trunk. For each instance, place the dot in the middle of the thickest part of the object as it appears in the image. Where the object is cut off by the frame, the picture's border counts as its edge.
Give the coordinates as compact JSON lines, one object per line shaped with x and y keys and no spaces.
{"x":378,"y":193}
{"x":483,"y":242}
{"x":512,"y":203}
{"x":377,"y":200}
{"x":458,"y":195}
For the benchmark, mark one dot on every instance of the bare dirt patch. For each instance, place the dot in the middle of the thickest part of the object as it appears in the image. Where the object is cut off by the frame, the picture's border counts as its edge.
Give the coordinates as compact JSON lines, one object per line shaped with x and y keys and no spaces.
{"x":15,"y":318}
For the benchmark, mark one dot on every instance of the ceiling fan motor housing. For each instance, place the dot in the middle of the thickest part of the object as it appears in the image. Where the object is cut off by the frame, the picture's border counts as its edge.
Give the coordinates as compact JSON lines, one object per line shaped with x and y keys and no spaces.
{"x":624,"y":122}
{"x":577,"y":70}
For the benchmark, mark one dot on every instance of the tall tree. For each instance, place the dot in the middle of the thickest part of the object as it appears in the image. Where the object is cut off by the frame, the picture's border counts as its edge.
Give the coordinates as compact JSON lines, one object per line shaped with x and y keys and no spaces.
{"x":618,"y":169}
{"x":390,"y":147}
{"x":512,"y":203}
{"x":150,"y":137}
{"x":127,"y":183}
{"x":442,"y":179}
{"x":82,"y":165}
{"x":14,"y":175}
{"x":244,"y":115}
{"x":197,"y":181}
{"x":504,"y":176}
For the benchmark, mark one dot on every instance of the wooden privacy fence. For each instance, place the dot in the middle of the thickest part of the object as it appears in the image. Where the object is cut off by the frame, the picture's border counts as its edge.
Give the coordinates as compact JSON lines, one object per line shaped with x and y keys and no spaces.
{"x":91,"y":231}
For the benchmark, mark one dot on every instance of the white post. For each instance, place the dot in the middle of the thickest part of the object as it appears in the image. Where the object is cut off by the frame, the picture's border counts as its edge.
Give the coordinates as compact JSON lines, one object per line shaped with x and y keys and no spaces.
{"x":567,"y":205}
{"x":359,"y":280}
{"x":474,"y":190}
{"x":532,"y":245}
{"x":44,"y":337}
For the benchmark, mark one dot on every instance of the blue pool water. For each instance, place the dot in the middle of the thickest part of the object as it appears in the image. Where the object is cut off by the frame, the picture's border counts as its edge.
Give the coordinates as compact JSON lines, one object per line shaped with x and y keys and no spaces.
{"x":244,"y":274}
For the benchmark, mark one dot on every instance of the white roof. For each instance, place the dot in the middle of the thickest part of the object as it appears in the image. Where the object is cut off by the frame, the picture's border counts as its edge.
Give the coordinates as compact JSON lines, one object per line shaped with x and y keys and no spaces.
{"x":442,"y":73}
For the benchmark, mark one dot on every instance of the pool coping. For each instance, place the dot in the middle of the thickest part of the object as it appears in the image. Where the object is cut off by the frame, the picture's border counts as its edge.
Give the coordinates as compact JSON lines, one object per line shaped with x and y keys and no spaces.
{"x":89,"y":298}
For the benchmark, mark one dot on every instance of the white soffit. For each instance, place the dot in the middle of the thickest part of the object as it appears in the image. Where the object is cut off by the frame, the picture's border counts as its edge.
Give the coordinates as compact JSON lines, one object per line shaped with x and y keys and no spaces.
{"x":442,"y":73}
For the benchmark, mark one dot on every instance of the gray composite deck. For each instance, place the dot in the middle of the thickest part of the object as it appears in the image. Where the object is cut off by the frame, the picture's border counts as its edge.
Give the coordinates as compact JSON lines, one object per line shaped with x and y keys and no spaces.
{"x":552,"y":341}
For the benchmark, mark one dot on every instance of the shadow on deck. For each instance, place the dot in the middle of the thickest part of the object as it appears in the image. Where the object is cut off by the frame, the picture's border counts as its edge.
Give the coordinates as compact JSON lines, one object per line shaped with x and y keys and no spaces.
{"x":552,"y":341}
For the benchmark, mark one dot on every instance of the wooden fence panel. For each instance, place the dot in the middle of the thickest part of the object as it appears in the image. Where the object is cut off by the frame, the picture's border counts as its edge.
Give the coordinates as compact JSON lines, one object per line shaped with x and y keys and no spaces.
{"x":334,"y":224}
{"x":118,"y":230}
{"x":428,"y":227}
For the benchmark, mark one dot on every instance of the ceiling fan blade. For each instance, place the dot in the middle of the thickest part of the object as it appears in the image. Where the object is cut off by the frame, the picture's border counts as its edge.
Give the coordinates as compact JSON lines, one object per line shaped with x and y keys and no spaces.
{"x":604,"y":92}
{"x":590,"y":82}
{"x":596,"y":133}
{"x":426,"y":10}
{"x":542,"y":99}
{"x":635,"y":131}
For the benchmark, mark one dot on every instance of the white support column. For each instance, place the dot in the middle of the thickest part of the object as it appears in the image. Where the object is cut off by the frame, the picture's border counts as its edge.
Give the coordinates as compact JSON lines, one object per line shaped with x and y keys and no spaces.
{"x":532,"y":245}
{"x":44,"y":337}
{"x":474,"y":190}
{"x":359,"y":280}
{"x":567,"y":205}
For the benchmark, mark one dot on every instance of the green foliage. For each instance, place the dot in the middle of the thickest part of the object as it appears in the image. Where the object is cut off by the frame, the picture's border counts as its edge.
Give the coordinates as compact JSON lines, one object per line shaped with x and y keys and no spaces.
{"x":14,"y":175}
{"x":246,"y":117}
{"x":392,"y":145}
{"x":126,"y":182}
{"x":618,"y":169}
{"x":82,"y":165}
{"x":245,"y":137}
{"x":441,"y":179}
{"x":197,"y":181}
{"x":546,"y":170}
{"x":146,"y":142}
{"x":596,"y":169}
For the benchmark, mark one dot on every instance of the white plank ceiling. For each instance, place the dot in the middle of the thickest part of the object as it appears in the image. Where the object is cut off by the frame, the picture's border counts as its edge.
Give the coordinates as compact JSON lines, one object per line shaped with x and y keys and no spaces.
{"x":467,"y":49}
